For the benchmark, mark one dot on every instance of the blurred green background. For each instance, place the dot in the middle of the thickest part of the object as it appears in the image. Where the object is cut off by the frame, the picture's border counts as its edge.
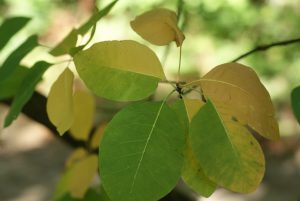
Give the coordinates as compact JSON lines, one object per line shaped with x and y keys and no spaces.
{"x":216,"y":32}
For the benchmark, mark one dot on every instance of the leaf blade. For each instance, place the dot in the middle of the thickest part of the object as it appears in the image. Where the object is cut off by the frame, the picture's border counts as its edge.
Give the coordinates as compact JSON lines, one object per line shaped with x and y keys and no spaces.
{"x":134,"y":167}
{"x":295,"y":98}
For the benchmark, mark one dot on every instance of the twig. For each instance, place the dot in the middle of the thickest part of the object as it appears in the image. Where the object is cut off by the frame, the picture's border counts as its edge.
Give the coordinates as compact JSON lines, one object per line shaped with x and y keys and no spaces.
{"x":265,"y":47}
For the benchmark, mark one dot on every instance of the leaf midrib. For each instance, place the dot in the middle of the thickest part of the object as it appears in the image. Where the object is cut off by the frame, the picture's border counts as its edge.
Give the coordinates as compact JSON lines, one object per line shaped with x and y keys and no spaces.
{"x":146,"y":145}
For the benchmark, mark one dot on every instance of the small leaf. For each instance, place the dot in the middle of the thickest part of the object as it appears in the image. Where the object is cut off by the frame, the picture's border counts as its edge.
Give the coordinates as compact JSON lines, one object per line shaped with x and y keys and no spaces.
{"x":60,"y":102}
{"x":26,"y":90}
{"x":10,"y":27}
{"x":95,"y":18}
{"x":97,"y":136}
{"x":67,"y":197}
{"x":65,"y":46}
{"x":119,"y":70}
{"x":13,"y":60}
{"x":84,"y":111}
{"x":295,"y":97}
{"x":76,"y":179}
{"x":238,"y":87}
{"x":192,"y":172}
{"x":159,"y":27}
{"x":141,"y":152}
{"x":229,"y":155}
{"x":96,"y":194}
{"x":10,"y":86}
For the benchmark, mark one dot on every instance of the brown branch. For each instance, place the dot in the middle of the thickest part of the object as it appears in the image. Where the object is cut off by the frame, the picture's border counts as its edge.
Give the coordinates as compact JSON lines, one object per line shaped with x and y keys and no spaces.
{"x":266,"y":47}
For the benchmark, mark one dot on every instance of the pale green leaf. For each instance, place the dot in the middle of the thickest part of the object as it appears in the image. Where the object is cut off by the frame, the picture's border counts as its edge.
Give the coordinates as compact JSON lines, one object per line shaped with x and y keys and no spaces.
{"x":119,"y":70}
{"x":141,"y":152}
{"x":75,"y":156}
{"x":229,"y":155}
{"x":97,"y":136}
{"x":65,"y":46}
{"x":84,"y":111}
{"x":240,"y":89}
{"x":26,"y":90}
{"x":60,"y":107}
{"x":158,"y":26}
{"x":77,"y":179}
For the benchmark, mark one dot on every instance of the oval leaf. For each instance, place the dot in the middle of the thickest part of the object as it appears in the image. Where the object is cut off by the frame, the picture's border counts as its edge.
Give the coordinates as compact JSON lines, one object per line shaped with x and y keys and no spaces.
{"x":240,"y":89}
{"x":76,"y":180}
{"x":228,"y":153}
{"x":141,"y":153}
{"x":84,"y":109}
{"x":66,"y":44}
{"x":295,"y":97}
{"x":60,"y":102}
{"x":158,"y":26}
{"x":119,"y":70}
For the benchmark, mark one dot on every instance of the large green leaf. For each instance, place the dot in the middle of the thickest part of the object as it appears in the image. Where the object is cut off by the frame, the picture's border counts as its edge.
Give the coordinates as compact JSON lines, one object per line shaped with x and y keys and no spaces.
{"x":10,"y":27}
{"x":192,"y":172}
{"x":240,"y":89}
{"x":95,"y":18}
{"x":10,"y":86}
{"x":295,"y":97}
{"x":119,"y":70}
{"x":12,"y":62}
{"x":26,"y":90}
{"x":229,"y":155}
{"x":141,"y":152}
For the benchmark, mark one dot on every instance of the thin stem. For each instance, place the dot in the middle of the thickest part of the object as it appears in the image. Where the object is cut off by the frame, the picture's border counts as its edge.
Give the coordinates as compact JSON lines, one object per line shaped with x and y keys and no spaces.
{"x":266,"y":47}
{"x":179,"y":65}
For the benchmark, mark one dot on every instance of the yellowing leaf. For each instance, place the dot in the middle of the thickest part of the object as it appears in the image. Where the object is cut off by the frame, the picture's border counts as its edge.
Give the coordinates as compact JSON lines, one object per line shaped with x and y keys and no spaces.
{"x":60,"y":102}
{"x":229,"y":155}
{"x":158,"y":26}
{"x":97,"y":136}
{"x":75,"y":156}
{"x":238,"y":87}
{"x":119,"y":70}
{"x":76,"y":180}
{"x":84,"y":110}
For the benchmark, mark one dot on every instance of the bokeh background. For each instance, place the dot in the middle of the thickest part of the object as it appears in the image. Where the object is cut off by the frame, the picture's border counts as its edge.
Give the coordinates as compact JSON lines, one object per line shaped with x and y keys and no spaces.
{"x":31,"y":159}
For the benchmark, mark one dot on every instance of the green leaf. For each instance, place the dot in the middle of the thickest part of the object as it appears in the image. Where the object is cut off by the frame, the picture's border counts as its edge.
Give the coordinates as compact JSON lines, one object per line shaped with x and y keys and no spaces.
{"x":141,"y":152}
{"x":65,"y":46}
{"x":192,"y":172}
{"x":10,"y":86}
{"x":229,"y":155}
{"x":119,"y":70}
{"x":95,"y":18}
{"x":10,"y":27}
{"x":12,"y":62}
{"x":67,"y":197}
{"x":240,"y":89}
{"x":295,"y":97}
{"x":26,"y":90}
{"x":179,"y":108}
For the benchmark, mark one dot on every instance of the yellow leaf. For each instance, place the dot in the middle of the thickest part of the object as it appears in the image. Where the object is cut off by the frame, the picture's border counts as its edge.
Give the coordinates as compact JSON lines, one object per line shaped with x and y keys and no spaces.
{"x":192,"y":106}
{"x":97,"y":136}
{"x":84,"y":110}
{"x":239,"y":88}
{"x":60,"y":102}
{"x":76,"y":179}
{"x":75,"y":156}
{"x":158,"y":26}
